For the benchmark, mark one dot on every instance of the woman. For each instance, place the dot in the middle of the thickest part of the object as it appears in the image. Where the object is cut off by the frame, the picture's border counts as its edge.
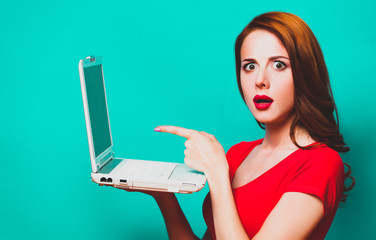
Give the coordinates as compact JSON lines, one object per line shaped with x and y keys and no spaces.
{"x":287,"y":185}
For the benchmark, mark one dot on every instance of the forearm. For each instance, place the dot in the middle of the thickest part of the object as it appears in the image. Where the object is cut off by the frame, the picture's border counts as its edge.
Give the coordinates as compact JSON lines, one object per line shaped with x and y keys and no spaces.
{"x":226,"y":218}
{"x":176,"y":223}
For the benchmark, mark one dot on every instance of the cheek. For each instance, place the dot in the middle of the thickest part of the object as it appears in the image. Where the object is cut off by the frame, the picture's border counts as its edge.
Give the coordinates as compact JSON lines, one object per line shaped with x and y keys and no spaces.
{"x":247,"y":87}
{"x":286,"y":91}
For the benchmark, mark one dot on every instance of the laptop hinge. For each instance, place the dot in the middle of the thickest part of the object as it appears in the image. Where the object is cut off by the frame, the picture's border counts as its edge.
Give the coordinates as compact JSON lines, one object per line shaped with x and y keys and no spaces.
{"x":106,"y":159}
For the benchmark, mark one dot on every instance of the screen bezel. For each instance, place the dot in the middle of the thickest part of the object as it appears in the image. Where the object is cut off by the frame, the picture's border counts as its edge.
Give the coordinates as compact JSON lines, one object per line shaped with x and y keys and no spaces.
{"x":106,"y":155}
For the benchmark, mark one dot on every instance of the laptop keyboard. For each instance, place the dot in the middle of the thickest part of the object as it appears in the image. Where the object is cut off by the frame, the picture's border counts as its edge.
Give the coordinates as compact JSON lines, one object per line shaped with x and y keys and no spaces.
{"x":148,"y":169}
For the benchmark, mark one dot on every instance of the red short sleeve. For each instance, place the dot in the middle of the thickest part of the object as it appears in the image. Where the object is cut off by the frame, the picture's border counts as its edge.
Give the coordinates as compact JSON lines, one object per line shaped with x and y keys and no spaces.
{"x":321,"y":175}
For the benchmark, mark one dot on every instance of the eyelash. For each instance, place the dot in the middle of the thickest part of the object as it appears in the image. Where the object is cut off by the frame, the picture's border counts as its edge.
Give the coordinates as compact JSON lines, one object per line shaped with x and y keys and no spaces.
{"x":247,"y":64}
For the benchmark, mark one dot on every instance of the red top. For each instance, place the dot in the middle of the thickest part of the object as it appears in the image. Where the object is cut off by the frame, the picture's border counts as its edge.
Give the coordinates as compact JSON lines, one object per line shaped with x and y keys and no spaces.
{"x":318,"y":171}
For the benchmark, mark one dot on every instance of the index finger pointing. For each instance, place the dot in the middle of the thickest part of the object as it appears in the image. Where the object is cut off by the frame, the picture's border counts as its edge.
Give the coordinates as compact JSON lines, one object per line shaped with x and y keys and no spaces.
{"x":183,"y":132}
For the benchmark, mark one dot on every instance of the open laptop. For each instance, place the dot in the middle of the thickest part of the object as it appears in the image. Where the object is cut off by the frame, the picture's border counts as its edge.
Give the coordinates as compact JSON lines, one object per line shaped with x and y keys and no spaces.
{"x":120,"y":172}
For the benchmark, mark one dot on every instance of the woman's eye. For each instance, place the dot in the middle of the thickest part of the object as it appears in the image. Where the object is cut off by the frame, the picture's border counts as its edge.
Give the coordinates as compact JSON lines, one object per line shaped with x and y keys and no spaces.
{"x":249,"y":66}
{"x":279,"y":65}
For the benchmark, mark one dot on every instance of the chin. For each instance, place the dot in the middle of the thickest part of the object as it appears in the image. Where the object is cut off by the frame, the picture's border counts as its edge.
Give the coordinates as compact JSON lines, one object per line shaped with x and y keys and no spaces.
{"x":263,"y":117}
{"x":268,"y":118}
{"x":264,"y":120}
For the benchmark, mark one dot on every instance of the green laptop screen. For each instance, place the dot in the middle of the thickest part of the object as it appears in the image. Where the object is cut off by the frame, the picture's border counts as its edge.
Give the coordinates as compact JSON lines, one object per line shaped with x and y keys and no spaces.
{"x":96,"y":98}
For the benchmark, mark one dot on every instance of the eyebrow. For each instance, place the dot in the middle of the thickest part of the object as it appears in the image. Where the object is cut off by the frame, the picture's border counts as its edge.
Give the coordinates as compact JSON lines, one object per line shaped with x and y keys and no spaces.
{"x":271,"y":58}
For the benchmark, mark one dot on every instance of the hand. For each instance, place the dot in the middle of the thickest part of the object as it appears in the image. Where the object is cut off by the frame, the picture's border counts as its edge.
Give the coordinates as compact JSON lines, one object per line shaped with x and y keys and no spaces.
{"x":203,"y":152}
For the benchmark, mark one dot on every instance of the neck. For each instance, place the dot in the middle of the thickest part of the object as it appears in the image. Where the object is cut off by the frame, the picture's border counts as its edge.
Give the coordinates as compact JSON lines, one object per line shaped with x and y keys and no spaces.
{"x":277,"y":135}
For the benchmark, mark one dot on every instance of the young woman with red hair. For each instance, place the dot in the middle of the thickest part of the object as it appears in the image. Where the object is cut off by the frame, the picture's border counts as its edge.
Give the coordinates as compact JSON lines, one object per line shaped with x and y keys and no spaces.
{"x":287,"y":185}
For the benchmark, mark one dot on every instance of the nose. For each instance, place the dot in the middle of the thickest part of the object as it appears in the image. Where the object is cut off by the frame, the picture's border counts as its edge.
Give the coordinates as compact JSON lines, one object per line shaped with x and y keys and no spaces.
{"x":262,"y":80}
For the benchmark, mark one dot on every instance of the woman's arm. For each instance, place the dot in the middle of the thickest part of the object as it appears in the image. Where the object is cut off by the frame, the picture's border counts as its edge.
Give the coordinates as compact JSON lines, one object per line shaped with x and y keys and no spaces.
{"x":294,"y":217}
{"x":226,"y":219}
{"x":204,"y":153}
{"x":176,"y":222}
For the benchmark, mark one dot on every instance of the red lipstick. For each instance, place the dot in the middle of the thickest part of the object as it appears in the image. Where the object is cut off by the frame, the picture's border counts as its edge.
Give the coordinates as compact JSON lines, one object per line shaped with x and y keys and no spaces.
{"x":262,"y":102}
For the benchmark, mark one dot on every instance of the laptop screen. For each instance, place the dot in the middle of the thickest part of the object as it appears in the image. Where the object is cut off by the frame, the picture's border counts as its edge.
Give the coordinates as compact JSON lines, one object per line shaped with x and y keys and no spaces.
{"x":96,"y":98}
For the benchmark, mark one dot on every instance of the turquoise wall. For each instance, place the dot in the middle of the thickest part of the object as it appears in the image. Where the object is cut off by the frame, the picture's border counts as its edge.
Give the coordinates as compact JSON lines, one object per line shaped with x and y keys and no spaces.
{"x":165,"y":62}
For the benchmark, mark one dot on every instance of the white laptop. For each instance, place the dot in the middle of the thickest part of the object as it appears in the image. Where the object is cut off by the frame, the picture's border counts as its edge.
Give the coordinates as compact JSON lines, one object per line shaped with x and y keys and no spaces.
{"x":120,"y":172}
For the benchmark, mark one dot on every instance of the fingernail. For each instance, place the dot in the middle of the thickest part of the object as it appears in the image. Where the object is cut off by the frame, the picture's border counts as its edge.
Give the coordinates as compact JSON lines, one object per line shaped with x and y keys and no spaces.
{"x":157,"y":129}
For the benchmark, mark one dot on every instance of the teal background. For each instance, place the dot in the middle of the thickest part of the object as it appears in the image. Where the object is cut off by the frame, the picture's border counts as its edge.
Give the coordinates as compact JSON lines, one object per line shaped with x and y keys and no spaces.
{"x":165,"y":62}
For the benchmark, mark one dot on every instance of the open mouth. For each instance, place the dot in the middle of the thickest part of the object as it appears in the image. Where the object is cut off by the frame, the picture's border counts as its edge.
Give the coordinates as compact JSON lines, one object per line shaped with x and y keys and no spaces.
{"x":262,"y":102}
